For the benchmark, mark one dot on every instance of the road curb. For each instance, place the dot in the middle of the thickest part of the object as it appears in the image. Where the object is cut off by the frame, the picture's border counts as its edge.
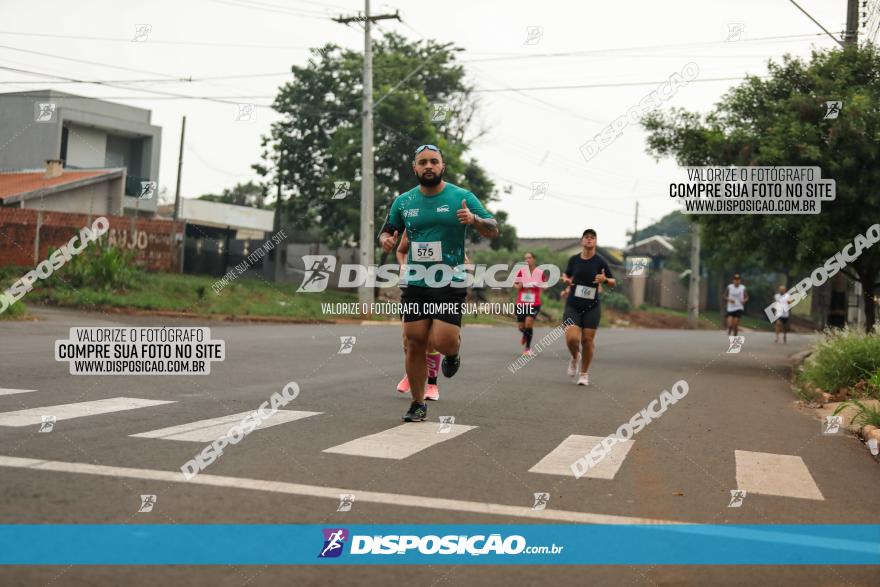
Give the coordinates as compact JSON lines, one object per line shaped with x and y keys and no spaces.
{"x":871,"y":439}
{"x":799,"y":358}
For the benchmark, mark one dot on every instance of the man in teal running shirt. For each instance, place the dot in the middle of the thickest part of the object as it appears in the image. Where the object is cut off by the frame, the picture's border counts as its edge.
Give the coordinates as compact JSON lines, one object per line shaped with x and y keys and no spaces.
{"x":435,"y":215}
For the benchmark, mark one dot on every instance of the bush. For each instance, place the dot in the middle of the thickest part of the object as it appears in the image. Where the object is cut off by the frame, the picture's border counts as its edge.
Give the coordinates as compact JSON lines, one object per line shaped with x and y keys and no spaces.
{"x":16,"y":310}
{"x":99,"y":267}
{"x":616,"y":301}
{"x":844,"y":359}
{"x":8,"y":276}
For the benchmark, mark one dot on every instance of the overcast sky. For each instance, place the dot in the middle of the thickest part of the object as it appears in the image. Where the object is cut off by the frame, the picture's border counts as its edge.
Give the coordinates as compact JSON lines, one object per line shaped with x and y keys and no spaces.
{"x":533,"y":135}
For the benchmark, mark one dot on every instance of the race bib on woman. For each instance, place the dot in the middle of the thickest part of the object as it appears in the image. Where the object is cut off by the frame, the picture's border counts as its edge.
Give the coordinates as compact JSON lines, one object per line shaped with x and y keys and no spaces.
{"x":585,"y":292}
{"x":528,"y":298}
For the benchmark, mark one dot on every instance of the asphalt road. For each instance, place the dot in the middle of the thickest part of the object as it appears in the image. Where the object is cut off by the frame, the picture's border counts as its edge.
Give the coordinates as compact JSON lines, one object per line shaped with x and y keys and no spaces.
{"x":680,"y":468}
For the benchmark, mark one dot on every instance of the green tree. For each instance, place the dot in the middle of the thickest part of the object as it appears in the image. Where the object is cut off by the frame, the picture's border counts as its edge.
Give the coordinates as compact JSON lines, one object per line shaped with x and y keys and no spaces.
{"x":242,"y":194}
{"x":780,"y":121}
{"x":673,"y":224}
{"x":420,"y":96}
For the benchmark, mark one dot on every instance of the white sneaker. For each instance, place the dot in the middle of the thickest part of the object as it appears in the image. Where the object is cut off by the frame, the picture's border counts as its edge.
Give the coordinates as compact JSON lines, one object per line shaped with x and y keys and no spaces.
{"x":583,"y":379}
{"x":573,"y":366}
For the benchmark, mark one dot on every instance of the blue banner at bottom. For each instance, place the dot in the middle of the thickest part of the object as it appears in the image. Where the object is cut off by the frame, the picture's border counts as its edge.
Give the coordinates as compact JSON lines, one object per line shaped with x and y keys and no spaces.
{"x":517,"y":544}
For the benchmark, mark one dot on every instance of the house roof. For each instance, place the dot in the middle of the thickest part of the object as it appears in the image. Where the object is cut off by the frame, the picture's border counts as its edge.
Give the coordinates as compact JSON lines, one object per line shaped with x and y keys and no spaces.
{"x":23,"y":185}
{"x":569,"y":245}
{"x":554,"y":243}
{"x":654,"y":243}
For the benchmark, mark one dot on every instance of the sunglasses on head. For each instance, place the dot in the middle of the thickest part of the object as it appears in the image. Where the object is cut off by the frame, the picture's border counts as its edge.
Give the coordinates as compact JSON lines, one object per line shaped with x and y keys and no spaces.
{"x":421,"y":148}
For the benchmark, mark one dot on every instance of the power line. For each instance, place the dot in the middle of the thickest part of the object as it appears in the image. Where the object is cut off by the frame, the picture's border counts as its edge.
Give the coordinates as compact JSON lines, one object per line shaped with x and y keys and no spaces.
{"x":640,"y":48}
{"x":608,"y":85}
{"x":174,"y":95}
{"x":817,"y":23}
{"x":476,"y":90}
{"x":540,"y":101}
{"x":154,"y":41}
{"x":86,"y":61}
{"x":263,"y":7}
{"x":189,"y":79}
{"x":100,"y":64}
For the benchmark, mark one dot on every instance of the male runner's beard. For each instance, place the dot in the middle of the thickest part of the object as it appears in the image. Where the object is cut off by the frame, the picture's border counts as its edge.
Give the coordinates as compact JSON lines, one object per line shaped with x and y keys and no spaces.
{"x":432,"y":182}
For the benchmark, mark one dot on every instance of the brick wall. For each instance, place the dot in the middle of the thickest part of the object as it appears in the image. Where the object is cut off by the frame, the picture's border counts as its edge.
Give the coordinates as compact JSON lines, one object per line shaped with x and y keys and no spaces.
{"x":150,"y":238}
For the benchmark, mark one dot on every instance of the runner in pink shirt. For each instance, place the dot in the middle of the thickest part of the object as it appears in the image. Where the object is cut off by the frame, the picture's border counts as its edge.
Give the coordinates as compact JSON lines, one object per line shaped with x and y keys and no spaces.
{"x":528,"y":281}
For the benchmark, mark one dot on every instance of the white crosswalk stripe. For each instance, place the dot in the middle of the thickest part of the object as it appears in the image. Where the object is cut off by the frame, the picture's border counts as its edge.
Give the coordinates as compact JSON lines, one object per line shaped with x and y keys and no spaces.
{"x":756,"y":472}
{"x":213,"y":428}
{"x":773,"y":474}
{"x":34,"y":416}
{"x":401,"y":441}
{"x":4,"y":391}
{"x":559,"y":460}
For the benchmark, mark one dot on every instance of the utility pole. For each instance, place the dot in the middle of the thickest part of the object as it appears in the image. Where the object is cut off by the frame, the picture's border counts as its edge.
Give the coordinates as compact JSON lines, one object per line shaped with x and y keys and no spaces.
{"x":636,"y":224}
{"x":179,"y":171}
{"x":367,"y":244}
{"x":177,"y":199}
{"x":694,"y":283}
{"x":851,"y":36}
{"x":276,"y":223}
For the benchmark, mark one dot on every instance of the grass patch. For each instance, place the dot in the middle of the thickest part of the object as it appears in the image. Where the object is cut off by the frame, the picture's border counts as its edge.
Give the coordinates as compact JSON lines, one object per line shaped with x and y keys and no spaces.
{"x":844,"y":360}
{"x":8,"y":276}
{"x":188,"y":293}
{"x":865,"y":415}
{"x":714,"y":318}
{"x":16,"y":311}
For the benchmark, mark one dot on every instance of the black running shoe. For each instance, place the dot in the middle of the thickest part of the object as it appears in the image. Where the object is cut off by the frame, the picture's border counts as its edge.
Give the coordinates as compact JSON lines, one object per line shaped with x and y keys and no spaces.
{"x":416,"y":413}
{"x":450,"y":367}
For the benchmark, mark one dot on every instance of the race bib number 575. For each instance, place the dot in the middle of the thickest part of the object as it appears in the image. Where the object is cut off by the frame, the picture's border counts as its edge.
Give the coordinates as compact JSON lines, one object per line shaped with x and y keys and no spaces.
{"x":431,"y":251}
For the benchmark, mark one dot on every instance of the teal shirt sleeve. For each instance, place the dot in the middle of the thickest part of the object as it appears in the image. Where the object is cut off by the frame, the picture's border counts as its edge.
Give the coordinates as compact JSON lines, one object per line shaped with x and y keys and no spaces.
{"x":476,"y":207}
{"x":395,"y":215}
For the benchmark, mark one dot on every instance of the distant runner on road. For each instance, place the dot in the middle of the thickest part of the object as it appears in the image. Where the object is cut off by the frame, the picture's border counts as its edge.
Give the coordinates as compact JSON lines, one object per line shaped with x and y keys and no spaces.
{"x":782,"y":312}
{"x":584,"y":274}
{"x":528,"y":281}
{"x":736,"y":296}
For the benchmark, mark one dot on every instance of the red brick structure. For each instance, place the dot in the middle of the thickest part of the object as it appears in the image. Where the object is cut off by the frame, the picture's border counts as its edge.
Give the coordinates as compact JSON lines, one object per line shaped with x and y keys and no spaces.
{"x":27,"y":235}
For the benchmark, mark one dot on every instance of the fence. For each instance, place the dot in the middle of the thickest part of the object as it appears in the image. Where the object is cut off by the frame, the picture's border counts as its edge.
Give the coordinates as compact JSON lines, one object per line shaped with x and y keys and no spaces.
{"x":27,"y":235}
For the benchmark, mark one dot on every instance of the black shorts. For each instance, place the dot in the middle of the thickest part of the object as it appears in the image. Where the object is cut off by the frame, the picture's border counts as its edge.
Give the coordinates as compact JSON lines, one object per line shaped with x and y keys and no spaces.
{"x":445,"y":304}
{"x":783,"y":319}
{"x":524,"y":311}
{"x":588,"y":318}
{"x":735,"y":313}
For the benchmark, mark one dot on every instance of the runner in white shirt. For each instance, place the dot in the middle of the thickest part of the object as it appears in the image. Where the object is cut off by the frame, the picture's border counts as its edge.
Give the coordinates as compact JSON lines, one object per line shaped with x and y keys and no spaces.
{"x":782,"y":311}
{"x":736,"y":297}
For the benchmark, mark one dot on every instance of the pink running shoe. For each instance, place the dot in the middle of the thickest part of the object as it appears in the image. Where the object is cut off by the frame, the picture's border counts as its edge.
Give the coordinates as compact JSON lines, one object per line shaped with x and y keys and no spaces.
{"x":403,"y":386}
{"x":432,"y":392}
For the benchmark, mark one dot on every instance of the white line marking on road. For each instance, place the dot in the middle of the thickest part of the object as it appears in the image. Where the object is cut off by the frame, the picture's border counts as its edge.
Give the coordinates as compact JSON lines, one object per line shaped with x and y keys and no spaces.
{"x":34,"y":416}
{"x":399,"y":442}
{"x":213,"y":428}
{"x":772,"y":474}
{"x":559,"y":460}
{"x":14,"y":391}
{"x":391,"y":499}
